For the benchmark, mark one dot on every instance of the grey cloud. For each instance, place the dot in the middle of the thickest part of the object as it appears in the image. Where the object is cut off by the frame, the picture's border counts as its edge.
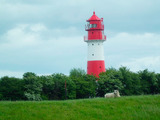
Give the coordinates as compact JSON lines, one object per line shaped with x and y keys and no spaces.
{"x":52,"y":41}
{"x":120,"y":16}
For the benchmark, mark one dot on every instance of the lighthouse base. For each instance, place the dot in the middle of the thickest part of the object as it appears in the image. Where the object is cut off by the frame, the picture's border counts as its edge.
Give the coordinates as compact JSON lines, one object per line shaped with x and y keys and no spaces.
{"x":95,"y":67}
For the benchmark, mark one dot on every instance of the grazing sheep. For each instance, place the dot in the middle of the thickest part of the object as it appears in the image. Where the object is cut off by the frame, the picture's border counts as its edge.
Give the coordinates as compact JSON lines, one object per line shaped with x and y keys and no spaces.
{"x":112,"y":95}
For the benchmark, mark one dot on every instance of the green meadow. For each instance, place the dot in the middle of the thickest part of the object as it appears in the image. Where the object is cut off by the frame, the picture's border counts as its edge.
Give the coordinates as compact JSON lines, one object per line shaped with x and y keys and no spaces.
{"x":124,"y":108}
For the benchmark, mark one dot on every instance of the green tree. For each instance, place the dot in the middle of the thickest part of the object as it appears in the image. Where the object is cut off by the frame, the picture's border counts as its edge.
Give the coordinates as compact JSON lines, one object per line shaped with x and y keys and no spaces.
{"x":85,"y":84}
{"x":158,"y":78}
{"x":130,"y":81}
{"x":109,"y":81}
{"x":11,"y":88}
{"x":77,"y":72}
{"x":33,"y":86}
{"x":48,"y":87}
{"x":149,"y":82}
{"x":59,"y":92}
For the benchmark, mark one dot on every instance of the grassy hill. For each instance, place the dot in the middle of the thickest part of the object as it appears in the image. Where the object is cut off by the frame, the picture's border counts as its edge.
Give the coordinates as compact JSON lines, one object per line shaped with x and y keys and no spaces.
{"x":124,"y":108}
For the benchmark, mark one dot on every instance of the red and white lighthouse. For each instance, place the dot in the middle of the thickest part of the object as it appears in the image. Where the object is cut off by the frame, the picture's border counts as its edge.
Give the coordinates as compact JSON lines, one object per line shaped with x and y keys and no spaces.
{"x":95,"y":39}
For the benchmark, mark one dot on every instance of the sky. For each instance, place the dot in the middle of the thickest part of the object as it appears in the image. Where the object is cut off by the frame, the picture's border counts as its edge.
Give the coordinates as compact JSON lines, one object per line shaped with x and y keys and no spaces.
{"x":47,"y":36}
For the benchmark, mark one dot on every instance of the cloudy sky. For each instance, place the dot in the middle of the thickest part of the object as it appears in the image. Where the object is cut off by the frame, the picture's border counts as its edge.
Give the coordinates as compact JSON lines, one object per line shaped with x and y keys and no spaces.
{"x":46,"y":36}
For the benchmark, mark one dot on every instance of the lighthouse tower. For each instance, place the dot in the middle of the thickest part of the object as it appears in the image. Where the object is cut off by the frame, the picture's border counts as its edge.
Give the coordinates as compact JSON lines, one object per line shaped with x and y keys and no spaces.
{"x":95,"y":39}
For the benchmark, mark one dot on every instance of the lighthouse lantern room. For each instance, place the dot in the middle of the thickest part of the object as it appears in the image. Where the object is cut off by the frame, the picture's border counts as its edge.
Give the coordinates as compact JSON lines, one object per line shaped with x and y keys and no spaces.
{"x":95,"y":39}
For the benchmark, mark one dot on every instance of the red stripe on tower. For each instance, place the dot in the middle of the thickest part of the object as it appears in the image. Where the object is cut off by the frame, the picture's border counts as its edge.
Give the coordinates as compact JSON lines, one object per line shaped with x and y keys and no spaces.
{"x":95,"y":39}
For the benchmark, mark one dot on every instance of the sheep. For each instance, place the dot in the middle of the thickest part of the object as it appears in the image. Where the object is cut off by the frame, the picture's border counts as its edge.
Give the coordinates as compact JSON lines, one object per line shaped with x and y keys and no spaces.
{"x":112,"y":95}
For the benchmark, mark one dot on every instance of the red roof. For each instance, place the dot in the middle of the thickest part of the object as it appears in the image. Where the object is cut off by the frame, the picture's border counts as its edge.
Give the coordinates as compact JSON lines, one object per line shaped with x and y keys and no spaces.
{"x":93,"y":17}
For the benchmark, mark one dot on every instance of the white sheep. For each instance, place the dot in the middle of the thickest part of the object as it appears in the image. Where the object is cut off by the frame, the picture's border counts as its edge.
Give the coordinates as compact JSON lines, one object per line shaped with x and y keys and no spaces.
{"x":112,"y":95}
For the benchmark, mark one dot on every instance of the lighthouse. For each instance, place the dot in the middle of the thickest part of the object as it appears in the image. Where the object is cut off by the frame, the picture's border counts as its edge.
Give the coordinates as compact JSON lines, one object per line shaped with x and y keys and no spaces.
{"x":95,"y":39}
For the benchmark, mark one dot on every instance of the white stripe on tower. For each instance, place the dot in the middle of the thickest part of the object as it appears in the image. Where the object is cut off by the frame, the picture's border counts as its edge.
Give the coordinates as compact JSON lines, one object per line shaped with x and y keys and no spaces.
{"x":95,"y":50}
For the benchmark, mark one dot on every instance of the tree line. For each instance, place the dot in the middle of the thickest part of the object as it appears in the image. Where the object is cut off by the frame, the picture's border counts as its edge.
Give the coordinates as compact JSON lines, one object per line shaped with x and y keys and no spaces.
{"x":78,"y":85}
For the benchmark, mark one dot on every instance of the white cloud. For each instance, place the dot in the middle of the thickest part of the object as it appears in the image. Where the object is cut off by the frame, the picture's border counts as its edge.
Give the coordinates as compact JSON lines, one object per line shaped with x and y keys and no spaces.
{"x":136,"y":39}
{"x":151,"y":63}
{"x":18,"y":74}
{"x":38,"y":27}
{"x":18,"y":37}
{"x":11,"y":73}
{"x":136,"y":51}
{"x":133,"y":44}
{"x":37,"y":48}
{"x":25,"y":35}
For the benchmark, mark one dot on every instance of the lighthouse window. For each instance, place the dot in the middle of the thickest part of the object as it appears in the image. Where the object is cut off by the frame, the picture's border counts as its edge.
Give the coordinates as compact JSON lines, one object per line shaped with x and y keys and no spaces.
{"x":92,"y":44}
{"x":93,"y":25}
{"x":92,"y":54}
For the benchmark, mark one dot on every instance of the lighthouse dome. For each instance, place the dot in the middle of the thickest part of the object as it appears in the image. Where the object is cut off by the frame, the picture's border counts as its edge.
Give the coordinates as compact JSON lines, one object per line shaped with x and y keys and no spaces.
{"x":94,"y":18}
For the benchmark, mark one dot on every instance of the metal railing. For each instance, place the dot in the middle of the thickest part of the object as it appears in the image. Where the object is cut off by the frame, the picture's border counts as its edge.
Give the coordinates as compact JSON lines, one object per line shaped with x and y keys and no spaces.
{"x":88,"y":27}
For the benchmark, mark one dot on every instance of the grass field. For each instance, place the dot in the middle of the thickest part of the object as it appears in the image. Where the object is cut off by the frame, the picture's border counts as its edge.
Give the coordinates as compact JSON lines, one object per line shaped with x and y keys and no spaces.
{"x":124,"y":108}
